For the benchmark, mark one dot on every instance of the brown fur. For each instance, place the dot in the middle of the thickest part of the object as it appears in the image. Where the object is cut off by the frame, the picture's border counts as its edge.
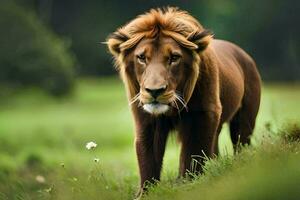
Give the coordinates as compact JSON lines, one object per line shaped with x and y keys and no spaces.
{"x":217,"y":81}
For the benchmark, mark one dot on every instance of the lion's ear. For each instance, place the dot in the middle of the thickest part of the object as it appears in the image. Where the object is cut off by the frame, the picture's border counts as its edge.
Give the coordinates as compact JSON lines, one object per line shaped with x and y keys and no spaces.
{"x":114,"y":41}
{"x":201,"y":39}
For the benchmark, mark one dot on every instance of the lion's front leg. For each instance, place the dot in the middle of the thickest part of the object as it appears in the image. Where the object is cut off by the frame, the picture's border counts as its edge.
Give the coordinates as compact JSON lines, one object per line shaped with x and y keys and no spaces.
{"x":198,"y":134}
{"x":150,"y":148}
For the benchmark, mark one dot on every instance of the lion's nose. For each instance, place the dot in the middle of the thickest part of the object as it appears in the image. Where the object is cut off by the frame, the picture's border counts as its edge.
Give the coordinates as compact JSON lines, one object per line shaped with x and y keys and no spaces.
{"x":156,"y":92}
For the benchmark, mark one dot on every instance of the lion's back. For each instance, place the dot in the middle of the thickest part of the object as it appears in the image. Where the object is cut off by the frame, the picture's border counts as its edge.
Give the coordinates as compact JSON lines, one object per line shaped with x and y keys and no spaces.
{"x":239,"y":78}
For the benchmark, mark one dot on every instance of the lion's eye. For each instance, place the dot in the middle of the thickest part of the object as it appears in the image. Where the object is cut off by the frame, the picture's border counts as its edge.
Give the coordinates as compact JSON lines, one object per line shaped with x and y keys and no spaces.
{"x":174,"y":58}
{"x":141,"y":58}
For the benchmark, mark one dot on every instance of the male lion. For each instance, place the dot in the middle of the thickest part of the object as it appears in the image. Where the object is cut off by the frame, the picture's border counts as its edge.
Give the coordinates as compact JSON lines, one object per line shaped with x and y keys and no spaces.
{"x":179,"y":78}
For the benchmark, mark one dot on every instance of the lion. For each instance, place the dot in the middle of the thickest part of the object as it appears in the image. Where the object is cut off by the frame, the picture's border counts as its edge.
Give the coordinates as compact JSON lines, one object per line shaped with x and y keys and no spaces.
{"x":179,"y":78}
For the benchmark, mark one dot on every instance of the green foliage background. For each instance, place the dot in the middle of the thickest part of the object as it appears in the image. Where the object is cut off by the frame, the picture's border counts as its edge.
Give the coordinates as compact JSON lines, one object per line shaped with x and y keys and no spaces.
{"x":267,"y":29}
{"x":42,"y":38}
{"x":31,"y":54}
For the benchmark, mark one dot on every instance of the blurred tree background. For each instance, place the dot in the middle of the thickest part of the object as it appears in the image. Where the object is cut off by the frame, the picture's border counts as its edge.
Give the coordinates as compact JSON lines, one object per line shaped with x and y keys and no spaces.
{"x":48,"y":43}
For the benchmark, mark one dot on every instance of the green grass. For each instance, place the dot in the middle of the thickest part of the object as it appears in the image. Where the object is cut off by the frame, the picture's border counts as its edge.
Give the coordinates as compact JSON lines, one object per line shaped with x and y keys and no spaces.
{"x":44,"y":136}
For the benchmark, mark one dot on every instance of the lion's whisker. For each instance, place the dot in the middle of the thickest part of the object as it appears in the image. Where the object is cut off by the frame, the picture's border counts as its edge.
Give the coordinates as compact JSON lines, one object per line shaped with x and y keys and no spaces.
{"x":181,"y":100}
{"x":180,"y":97}
{"x":134,"y":99}
{"x":177,"y":107}
{"x":175,"y":103}
{"x":140,"y":104}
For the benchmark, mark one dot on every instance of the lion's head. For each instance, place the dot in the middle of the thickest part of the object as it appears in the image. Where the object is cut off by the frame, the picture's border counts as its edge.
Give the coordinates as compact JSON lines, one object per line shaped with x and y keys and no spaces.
{"x":158,"y":56}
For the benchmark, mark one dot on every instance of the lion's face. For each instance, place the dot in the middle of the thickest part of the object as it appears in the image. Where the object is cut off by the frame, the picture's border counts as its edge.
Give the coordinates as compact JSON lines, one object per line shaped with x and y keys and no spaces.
{"x":158,"y":57}
{"x":161,"y":67}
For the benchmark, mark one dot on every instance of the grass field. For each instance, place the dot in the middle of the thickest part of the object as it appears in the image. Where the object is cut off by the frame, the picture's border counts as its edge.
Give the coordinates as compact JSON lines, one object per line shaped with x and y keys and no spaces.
{"x":43,"y":154}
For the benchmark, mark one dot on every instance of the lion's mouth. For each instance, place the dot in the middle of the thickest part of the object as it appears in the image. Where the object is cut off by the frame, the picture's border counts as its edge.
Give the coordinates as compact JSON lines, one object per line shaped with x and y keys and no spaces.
{"x":156,"y":108}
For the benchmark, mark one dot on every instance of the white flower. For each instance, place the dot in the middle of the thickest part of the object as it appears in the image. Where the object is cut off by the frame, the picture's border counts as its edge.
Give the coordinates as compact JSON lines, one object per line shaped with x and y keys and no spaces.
{"x":96,"y":160}
{"x":40,"y":179}
{"x":90,"y":145}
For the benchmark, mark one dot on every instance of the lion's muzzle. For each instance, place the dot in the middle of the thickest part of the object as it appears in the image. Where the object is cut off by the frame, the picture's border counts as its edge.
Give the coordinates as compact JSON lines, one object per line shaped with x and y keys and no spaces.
{"x":155,"y":106}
